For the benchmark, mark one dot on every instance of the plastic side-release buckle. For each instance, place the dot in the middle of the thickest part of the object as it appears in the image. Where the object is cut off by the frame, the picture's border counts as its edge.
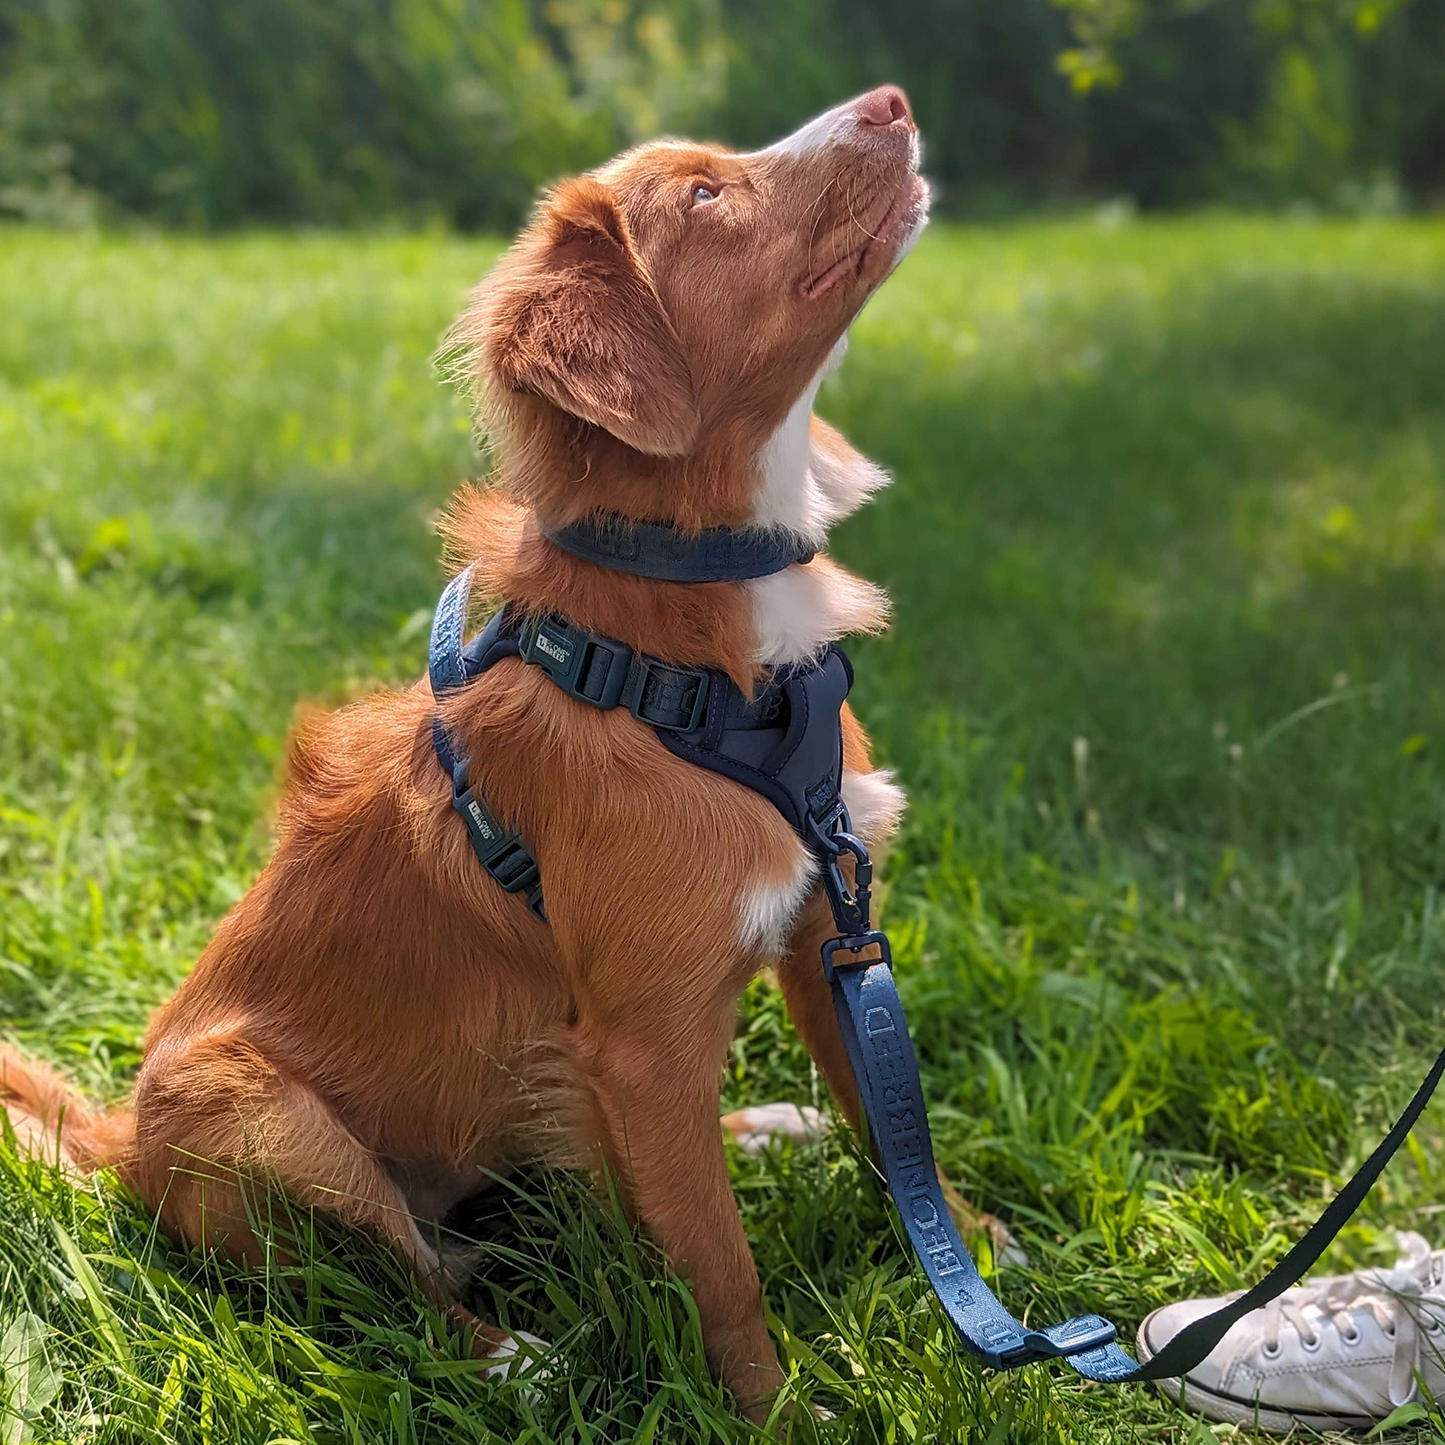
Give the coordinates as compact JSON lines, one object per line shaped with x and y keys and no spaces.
{"x":499,"y":850}
{"x":567,"y":654}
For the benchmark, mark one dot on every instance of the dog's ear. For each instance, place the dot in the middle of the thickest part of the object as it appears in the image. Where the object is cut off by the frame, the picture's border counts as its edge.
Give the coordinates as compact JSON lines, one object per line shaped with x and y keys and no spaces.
{"x":579,"y":322}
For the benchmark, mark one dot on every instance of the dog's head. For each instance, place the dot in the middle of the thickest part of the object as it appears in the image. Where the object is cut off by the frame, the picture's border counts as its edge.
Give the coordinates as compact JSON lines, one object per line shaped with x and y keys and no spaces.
{"x":674,"y":305}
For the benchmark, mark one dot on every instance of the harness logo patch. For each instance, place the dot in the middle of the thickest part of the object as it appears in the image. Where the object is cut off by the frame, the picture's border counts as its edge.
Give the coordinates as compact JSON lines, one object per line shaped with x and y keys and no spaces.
{"x":481,"y":823}
{"x":555,"y":650}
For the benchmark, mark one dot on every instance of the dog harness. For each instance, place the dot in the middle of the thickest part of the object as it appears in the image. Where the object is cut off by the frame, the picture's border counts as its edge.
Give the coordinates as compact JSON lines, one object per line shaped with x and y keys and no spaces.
{"x":786,"y":744}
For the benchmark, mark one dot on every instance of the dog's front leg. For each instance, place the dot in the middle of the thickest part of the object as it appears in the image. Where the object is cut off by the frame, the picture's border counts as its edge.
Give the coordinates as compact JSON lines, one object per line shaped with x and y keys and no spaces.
{"x":655,"y":1073}
{"x":810,"y":999}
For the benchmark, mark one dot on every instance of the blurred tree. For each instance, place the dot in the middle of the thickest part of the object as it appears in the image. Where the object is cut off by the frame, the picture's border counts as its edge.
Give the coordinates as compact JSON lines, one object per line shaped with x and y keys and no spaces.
{"x":1320,"y":106}
{"x":330,"y":112}
{"x":336,"y":110}
{"x":1100,"y":25}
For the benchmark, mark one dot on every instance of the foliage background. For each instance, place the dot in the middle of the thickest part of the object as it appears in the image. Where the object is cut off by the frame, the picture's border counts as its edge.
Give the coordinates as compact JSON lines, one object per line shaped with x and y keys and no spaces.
{"x":189,"y":112}
{"x":1167,"y":553}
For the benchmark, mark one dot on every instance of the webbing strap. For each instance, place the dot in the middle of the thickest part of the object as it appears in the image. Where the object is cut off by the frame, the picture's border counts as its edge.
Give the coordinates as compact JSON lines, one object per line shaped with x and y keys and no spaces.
{"x":606,"y":673}
{"x":870,"y":1015}
{"x":668,"y":554}
{"x":499,"y":849}
{"x":446,"y":666}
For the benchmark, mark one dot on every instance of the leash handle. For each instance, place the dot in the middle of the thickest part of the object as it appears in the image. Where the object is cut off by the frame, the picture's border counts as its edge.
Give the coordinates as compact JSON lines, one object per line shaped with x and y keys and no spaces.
{"x":875,"y":1034}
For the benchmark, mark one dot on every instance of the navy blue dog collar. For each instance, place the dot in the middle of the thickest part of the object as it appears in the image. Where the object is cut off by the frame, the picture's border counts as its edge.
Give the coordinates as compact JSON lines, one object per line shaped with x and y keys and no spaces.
{"x":669,"y":554}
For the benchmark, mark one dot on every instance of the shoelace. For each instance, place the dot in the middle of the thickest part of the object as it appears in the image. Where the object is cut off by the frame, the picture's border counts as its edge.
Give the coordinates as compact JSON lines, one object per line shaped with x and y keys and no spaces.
{"x":1396,"y":1298}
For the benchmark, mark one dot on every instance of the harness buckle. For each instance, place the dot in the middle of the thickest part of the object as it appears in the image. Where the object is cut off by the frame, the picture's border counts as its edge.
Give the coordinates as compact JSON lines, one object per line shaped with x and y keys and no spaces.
{"x":1007,"y":1347}
{"x":683,"y":715}
{"x":499,"y":850}
{"x":568,"y":655}
{"x":606,"y":673}
{"x":513,"y":866}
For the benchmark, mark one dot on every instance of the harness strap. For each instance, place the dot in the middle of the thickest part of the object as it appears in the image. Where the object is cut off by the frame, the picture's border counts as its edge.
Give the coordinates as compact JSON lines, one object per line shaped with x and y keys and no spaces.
{"x":669,"y":554}
{"x":600,"y":670}
{"x":499,"y":849}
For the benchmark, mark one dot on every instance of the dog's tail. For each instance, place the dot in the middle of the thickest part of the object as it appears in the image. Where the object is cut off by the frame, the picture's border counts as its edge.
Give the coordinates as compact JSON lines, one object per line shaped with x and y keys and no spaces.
{"x":53,"y":1119}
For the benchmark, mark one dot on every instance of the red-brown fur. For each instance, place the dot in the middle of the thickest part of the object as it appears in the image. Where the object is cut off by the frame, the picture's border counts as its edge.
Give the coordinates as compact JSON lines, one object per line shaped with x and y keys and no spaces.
{"x":375,"y":1025}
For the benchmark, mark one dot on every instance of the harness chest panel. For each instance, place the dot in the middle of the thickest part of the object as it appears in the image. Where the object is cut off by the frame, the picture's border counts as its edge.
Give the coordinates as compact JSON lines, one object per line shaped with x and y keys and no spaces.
{"x":796,"y":763}
{"x":785,"y":743}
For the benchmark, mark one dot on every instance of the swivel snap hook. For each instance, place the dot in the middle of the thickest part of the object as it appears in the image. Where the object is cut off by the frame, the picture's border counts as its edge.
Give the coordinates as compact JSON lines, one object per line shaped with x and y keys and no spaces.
{"x":852,"y":908}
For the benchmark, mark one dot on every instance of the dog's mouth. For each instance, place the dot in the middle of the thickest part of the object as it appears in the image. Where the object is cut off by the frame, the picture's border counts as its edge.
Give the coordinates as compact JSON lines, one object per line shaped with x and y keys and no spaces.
{"x":881,"y":235}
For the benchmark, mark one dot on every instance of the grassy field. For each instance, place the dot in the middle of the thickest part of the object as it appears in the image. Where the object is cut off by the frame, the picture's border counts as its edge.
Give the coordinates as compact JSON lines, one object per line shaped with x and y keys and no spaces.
{"x":1166,"y":687}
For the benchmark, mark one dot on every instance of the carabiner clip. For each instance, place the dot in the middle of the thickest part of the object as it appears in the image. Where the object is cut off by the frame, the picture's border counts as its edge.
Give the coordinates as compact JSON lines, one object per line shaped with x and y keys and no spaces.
{"x":852,"y":909}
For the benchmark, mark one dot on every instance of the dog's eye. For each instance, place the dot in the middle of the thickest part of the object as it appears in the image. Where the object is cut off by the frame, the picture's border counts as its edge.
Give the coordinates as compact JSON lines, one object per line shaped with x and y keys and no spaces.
{"x":702,"y":193}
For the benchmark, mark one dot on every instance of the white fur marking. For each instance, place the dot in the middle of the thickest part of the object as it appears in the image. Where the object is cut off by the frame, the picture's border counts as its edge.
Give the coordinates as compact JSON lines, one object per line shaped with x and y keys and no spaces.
{"x":875,"y":803}
{"x":845,"y":481}
{"x":789,"y":497}
{"x":759,"y":1127}
{"x":767,"y":909}
{"x":795,"y":493}
{"x":817,"y":134}
{"x":796,"y":613}
{"x":911,"y":239}
{"x":805,"y":489}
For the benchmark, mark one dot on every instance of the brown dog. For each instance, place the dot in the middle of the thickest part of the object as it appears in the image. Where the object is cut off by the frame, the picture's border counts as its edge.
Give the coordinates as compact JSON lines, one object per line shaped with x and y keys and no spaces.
{"x":374,"y":1024}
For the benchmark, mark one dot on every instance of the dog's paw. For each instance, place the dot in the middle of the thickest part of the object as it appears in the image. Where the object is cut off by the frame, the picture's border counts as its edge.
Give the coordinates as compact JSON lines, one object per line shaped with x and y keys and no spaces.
{"x":757,"y":1128}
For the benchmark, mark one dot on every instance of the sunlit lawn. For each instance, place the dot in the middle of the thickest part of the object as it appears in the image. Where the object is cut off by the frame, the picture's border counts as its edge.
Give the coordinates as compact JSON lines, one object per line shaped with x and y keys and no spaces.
{"x":1166,"y":686}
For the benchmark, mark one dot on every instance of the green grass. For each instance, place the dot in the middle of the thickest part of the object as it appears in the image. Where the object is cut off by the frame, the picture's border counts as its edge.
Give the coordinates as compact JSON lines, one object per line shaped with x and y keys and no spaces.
{"x":1167,"y":548}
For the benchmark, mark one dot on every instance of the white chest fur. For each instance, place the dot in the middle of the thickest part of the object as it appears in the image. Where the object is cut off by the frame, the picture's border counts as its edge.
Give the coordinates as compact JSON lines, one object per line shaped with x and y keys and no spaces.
{"x":767,"y":908}
{"x":809,"y":478}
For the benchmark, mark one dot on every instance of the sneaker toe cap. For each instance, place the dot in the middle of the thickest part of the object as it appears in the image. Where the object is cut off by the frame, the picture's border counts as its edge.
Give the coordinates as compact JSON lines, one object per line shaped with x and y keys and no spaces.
{"x":1164,"y":1326}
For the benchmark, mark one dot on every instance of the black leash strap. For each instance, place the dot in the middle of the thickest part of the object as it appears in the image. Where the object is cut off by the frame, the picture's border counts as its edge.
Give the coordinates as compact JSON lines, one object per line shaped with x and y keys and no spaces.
{"x":870,"y":1014}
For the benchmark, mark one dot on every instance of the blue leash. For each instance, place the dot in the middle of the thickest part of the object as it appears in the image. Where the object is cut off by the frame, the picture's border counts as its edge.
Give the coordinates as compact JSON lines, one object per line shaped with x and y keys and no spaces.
{"x":870,"y":1014}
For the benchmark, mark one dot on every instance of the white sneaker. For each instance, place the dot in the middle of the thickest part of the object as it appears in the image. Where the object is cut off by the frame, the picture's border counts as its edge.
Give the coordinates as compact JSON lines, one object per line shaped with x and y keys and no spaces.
{"x":1338,"y":1354}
